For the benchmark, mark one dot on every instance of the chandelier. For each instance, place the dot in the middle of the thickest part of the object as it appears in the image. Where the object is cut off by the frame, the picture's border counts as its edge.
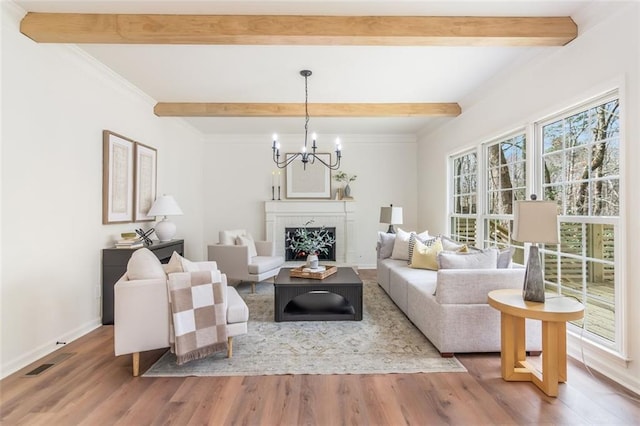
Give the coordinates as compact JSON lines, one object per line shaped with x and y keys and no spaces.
{"x":304,"y":155}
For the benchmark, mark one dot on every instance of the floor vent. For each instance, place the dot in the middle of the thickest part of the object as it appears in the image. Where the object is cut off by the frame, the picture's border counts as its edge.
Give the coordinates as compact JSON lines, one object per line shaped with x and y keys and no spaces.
{"x":53,"y":361}
{"x":39,"y":369}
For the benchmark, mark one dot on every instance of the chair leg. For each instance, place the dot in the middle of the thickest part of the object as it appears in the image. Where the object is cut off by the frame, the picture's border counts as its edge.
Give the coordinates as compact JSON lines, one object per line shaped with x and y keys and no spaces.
{"x":136,"y":364}
{"x":229,"y":347}
{"x":253,"y":287}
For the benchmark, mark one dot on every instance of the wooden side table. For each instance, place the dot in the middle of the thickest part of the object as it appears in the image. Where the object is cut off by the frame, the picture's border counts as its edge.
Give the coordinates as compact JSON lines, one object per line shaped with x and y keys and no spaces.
{"x":554,"y":314}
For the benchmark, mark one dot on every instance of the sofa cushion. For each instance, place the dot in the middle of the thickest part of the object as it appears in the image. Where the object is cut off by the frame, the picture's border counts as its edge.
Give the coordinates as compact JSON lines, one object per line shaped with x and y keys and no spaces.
{"x":425,"y":257}
{"x":144,"y":265}
{"x":261,"y":264}
{"x":247,"y":240}
{"x":485,"y":259}
{"x":385,"y":244}
{"x":228,"y":238}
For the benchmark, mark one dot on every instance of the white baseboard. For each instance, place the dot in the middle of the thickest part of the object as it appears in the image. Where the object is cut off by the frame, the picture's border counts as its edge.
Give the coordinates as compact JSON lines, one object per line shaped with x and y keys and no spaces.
{"x":44,"y":350}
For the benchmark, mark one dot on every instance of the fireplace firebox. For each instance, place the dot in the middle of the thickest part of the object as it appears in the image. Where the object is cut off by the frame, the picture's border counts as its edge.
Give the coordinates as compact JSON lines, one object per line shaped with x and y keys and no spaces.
{"x":292,"y":255}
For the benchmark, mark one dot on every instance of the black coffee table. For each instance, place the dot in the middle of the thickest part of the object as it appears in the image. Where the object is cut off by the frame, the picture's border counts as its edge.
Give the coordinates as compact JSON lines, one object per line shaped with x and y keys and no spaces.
{"x":335,"y":298}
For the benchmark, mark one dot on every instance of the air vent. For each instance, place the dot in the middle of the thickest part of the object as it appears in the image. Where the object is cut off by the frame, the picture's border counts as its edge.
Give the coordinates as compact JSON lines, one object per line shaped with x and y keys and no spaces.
{"x":53,"y":361}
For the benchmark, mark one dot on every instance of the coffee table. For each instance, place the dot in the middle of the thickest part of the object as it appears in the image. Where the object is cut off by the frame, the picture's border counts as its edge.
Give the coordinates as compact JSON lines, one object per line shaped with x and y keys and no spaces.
{"x":335,"y":298}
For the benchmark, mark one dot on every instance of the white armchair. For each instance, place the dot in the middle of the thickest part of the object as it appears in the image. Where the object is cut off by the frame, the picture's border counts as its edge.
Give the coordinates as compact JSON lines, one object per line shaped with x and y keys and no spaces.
{"x":141,"y":311}
{"x":243,"y":259}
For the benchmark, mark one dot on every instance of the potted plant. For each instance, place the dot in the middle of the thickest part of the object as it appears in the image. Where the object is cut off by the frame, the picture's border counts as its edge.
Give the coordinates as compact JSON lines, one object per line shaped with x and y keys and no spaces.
{"x":343,"y":177}
{"x":310,"y":243}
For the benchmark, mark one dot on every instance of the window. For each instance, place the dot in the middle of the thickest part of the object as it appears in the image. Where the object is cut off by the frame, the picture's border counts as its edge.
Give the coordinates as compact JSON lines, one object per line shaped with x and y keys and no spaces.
{"x":505,"y":165}
{"x":462,"y":214}
{"x":573,"y":159}
{"x":581,"y":172}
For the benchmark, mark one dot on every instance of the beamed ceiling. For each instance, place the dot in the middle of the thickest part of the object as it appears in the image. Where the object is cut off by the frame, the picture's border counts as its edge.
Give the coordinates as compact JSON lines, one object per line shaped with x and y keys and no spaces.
{"x":378,"y":66}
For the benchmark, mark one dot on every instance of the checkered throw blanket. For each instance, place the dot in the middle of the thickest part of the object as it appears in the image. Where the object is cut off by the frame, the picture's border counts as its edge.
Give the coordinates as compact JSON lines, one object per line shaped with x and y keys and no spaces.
{"x":198,"y":314}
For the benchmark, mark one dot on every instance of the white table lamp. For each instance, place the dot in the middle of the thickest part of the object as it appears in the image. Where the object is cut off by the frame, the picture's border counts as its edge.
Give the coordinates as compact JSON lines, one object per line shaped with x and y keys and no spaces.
{"x":535,"y":222}
{"x":392,"y":216}
{"x":165,"y":206}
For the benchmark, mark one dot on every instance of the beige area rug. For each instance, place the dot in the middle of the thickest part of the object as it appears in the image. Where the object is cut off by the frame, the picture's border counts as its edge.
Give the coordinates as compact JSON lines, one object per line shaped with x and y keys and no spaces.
{"x":385,"y":341}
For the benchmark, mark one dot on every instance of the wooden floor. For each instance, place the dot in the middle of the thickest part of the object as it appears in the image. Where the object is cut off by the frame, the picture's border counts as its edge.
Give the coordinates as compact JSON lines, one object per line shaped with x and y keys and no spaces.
{"x":93,"y":387}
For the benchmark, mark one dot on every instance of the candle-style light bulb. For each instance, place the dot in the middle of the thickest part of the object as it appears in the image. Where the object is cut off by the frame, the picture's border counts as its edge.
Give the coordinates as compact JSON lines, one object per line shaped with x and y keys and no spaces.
{"x":275,"y":141}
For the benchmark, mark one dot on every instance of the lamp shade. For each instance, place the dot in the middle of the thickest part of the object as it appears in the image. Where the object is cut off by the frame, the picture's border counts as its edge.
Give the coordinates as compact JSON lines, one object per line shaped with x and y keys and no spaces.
{"x":535,"y":222}
{"x":165,"y":206}
{"x":391,"y":215}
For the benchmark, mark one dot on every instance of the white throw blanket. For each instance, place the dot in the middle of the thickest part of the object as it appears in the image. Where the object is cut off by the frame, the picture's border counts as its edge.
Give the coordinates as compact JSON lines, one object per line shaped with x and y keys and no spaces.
{"x":198,"y":314}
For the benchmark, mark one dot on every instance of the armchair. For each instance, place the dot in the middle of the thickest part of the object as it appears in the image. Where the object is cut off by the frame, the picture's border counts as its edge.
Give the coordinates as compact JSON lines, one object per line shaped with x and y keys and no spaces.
{"x":141,"y":310}
{"x":243,"y":259}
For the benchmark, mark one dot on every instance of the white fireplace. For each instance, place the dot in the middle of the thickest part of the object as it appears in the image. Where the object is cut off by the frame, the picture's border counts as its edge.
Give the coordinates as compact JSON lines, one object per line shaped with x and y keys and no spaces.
{"x":329,"y":213}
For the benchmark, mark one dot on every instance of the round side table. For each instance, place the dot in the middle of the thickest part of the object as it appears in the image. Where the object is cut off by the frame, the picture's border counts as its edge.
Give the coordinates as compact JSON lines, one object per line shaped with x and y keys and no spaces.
{"x":554,"y":314}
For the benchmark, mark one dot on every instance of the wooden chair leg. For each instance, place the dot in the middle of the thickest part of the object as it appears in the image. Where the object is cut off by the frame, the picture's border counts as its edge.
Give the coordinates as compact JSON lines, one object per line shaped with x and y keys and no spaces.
{"x":229,"y":347}
{"x":136,"y":364}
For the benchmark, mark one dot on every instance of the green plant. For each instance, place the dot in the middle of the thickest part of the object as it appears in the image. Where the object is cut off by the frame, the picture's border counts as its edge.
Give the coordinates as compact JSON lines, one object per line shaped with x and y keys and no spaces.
{"x":304,"y":241}
{"x":343,"y":177}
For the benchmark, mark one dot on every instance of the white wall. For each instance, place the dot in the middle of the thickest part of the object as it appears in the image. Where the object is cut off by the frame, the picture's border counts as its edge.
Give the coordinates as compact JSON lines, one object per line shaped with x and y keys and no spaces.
{"x":604,"y":55}
{"x":56,"y":103}
{"x":238,"y":181}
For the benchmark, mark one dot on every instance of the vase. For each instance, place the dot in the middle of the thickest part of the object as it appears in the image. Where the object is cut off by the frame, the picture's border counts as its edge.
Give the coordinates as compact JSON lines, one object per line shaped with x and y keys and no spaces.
{"x":312,"y":261}
{"x":347,"y":191}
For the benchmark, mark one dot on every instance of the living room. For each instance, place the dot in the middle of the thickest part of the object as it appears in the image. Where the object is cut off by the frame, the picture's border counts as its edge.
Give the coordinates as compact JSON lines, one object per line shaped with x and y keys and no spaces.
{"x":57,"y":100}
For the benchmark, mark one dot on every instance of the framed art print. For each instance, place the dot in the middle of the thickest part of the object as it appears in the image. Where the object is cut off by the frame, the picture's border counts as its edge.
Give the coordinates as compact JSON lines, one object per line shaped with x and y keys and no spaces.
{"x":145,"y":181}
{"x":117,"y":178}
{"x":312,"y":181}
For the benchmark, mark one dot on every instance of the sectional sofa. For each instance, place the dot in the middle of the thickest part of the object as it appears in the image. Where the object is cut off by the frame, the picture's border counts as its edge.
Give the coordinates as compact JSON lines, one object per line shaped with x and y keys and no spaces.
{"x":448,"y":304}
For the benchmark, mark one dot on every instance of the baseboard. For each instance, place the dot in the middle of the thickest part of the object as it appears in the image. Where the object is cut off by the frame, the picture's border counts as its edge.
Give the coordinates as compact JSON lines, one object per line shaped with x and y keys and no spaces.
{"x":604,"y":362}
{"x":49,"y":347}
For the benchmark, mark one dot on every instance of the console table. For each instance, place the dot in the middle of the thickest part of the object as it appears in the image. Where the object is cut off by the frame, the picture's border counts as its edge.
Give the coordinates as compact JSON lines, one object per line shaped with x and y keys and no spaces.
{"x":114,"y":265}
{"x":554,"y":314}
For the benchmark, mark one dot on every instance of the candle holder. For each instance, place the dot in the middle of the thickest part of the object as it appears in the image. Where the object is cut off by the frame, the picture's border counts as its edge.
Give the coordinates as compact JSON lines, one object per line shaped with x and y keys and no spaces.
{"x":273,"y":193}
{"x":278,"y":192}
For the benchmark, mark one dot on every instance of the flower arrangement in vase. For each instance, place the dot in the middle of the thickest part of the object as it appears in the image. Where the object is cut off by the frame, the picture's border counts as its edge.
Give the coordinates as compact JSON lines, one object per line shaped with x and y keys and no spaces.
{"x":343,"y":177}
{"x":310,"y":243}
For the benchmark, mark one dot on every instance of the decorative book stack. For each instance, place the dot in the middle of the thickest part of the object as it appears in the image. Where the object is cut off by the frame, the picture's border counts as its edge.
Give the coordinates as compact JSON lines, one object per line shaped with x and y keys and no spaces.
{"x":130,"y":243}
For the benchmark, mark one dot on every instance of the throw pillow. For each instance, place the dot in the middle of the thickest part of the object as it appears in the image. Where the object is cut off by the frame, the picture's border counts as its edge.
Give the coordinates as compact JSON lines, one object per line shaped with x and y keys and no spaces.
{"x":174,"y":264}
{"x":228,"y":238}
{"x":401,"y":244}
{"x":247,"y":240}
{"x":484,"y":259}
{"x":413,"y":237}
{"x":178,"y":263}
{"x":504,"y":257}
{"x":450,"y":244}
{"x":424,"y":257}
{"x":385,"y":244}
{"x":144,"y":265}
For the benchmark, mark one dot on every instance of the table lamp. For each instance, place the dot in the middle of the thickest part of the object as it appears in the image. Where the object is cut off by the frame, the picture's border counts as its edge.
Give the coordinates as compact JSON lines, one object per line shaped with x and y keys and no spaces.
{"x":165,"y":206}
{"x":392,"y":216}
{"x":535,"y":222}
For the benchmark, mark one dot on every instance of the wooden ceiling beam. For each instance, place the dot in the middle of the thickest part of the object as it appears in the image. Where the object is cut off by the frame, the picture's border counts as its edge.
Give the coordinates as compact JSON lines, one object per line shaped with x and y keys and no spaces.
{"x":298,"y":30}
{"x":187,"y":109}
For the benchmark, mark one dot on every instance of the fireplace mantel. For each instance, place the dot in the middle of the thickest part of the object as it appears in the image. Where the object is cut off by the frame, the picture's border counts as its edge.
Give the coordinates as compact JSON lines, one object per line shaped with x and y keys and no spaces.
{"x":330,"y":213}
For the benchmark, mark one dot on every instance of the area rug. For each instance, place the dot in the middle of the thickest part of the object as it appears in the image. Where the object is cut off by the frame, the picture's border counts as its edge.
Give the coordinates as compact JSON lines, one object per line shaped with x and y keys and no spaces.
{"x":385,"y":341}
